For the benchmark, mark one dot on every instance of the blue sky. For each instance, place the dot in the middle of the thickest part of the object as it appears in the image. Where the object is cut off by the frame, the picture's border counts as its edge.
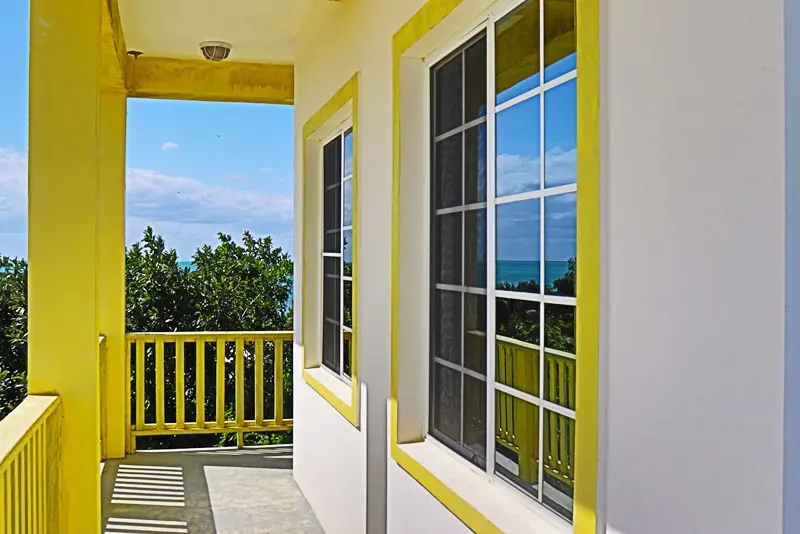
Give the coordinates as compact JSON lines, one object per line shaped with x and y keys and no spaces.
{"x":193,"y":168}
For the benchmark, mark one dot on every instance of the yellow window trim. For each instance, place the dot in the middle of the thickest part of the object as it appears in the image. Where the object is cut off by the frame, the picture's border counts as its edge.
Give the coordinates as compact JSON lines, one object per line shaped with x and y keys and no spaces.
{"x":588,"y":331}
{"x":348,"y":92}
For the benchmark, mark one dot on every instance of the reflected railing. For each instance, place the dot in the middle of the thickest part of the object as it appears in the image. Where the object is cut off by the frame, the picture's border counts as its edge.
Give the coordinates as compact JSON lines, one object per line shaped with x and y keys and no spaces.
{"x":517,"y":421}
{"x":173,"y":383}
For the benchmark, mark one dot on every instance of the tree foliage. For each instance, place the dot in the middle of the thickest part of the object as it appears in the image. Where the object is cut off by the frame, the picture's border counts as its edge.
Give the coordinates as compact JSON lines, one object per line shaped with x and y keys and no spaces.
{"x":13,"y":333}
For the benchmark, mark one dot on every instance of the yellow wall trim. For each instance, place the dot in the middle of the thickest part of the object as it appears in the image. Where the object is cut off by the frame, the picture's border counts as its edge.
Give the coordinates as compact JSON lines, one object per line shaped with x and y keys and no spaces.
{"x":423,"y":21}
{"x":195,"y":79}
{"x":347,"y":93}
{"x":114,"y":52}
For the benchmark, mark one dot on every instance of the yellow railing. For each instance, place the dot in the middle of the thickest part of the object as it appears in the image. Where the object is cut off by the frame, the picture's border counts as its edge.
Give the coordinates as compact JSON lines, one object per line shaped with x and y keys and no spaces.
{"x":30,"y":467}
{"x":229,"y":353}
{"x":517,"y":421}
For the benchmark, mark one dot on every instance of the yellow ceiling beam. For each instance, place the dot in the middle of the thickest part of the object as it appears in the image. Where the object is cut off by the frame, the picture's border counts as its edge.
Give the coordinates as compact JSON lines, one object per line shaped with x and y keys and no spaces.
{"x":197,"y":79}
{"x":114,"y":55}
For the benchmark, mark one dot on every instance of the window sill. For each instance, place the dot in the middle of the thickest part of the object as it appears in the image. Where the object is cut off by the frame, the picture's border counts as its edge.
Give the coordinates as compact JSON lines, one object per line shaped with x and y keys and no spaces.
{"x":471,"y":495}
{"x":341,"y":396}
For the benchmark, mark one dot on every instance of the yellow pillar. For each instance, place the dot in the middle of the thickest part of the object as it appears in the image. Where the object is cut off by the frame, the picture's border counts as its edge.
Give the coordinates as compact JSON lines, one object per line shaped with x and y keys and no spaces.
{"x":65,"y":71}
{"x":111,"y":265}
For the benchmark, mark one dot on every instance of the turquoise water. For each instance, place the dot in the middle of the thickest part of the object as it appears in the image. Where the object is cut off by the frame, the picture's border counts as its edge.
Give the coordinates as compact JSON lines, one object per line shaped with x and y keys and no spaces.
{"x":514,"y":272}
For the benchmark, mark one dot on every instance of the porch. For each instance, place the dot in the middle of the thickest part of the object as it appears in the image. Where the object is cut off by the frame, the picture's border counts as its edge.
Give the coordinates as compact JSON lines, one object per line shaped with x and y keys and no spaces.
{"x":205,"y":491}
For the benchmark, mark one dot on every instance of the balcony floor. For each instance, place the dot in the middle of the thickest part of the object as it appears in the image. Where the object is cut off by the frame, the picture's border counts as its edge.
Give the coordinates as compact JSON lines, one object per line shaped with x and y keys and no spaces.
{"x":205,"y":491}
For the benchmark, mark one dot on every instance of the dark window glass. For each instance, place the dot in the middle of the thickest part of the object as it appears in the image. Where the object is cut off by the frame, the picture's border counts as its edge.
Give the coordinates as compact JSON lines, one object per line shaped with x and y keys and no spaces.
{"x":560,"y":38}
{"x":331,"y":323}
{"x":332,"y":219}
{"x":332,"y":162}
{"x":348,"y":347}
{"x":447,"y":267}
{"x":447,"y":80}
{"x":446,"y":405}
{"x":475,"y":332}
{"x":475,"y":164}
{"x":475,"y":80}
{"x":448,"y":174}
{"x":447,"y":326}
{"x":475,"y":248}
{"x":517,"y":52}
{"x":475,"y":418}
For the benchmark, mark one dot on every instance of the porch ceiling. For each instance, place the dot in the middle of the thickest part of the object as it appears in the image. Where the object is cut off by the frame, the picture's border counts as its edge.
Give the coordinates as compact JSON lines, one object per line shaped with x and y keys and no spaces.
{"x":258,"y":30}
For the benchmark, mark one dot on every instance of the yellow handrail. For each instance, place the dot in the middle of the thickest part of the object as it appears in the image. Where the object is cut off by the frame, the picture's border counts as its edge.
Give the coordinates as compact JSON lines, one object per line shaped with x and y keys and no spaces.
{"x":517,"y":421}
{"x":148,"y":350}
{"x":30,"y":466}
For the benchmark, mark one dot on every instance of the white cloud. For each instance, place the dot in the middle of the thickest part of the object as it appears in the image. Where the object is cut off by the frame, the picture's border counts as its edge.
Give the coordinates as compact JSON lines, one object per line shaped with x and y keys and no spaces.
{"x":170,"y":145}
{"x":187,"y":212}
{"x":518,"y":174}
{"x":265,"y":169}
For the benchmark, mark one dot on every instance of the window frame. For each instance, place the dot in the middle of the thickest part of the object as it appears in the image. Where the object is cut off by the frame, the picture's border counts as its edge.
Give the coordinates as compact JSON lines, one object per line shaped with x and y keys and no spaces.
{"x":336,"y":115}
{"x":425,"y":37}
{"x":455,"y":48}
{"x":341,"y":132}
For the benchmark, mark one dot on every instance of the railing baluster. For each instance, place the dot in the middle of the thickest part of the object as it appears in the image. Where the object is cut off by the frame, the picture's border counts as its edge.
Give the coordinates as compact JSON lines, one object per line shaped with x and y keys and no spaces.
{"x":239,"y":382}
{"x":128,"y":436}
{"x":160,"y":384}
{"x":3,"y":510}
{"x":278,"y":394}
{"x":200,"y":368}
{"x":180,"y":389}
{"x":259,"y":380}
{"x":221,"y":383}
{"x":41,"y":479}
{"x":139,"y":385}
{"x":29,"y":484}
{"x":17,"y":492}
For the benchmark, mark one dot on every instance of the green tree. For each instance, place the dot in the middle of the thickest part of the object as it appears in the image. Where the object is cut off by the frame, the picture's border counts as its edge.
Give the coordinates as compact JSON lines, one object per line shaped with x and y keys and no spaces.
{"x":13,"y":333}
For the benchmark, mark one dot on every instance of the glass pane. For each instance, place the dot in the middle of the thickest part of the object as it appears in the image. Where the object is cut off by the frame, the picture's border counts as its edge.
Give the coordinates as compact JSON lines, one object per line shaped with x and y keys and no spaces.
{"x":348,"y":203}
{"x":348,"y":152}
{"x":475,"y":164}
{"x":330,"y":345}
{"x":560,"y":244}
{"x":475,"y":419}
{"x":561,"y":135}
{"x":347,"y":254}
{"x":348,"y":347}
{"x":446,"y":405}
{"x":446,"y":325}
{"x":517,"y":441}
{"x":559,"y":462}
{"x":448,"y":172}
{"x":332,"y":162}
{"x":447,"y":268}
{"x":475,"y":78}
{"x":348,"y":304}
{"x":475,"y":332}
{"x":447,"y":83}
{"x":560,"y":38}
{"x":517,"y":52}
{"x":332,"y":219}
{"x":518,"y":149}
{"x":518,"y":252}
{"x":560,"y":379}
{"x":330,"y":304}
{"x":517,"y":350}
{"x":559,"y":327}
{"x":475,"y":248}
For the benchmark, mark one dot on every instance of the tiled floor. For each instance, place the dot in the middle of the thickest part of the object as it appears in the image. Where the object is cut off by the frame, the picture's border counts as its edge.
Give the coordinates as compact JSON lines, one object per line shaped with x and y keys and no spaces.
{"x":208,"y":491}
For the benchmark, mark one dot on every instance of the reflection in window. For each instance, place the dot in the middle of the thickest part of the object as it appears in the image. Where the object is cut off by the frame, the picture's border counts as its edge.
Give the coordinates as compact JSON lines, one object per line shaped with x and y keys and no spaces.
{"x":337,"y":286}
{"x":532,"y":300}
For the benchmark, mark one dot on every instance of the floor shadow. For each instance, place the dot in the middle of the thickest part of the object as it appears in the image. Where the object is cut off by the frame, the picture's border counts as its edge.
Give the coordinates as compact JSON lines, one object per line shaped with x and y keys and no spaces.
{"x":205,"y":491}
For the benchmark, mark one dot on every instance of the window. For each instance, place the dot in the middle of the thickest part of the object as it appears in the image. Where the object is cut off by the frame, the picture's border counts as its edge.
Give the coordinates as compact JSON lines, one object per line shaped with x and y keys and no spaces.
{"x":337,"y":286}
{"x":503,"y":250}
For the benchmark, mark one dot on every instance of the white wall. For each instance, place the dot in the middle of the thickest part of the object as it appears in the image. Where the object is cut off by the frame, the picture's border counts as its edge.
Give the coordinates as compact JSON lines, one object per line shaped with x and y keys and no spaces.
{"x":693,"y":251}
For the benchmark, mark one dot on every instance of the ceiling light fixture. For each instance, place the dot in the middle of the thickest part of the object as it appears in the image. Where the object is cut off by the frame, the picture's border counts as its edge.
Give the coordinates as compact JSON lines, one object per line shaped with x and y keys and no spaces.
{"x":215,"y":50}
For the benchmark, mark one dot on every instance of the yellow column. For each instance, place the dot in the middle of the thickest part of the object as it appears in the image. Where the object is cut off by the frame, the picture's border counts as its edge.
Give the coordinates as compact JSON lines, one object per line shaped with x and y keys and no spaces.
{"x":111,"y":264}
{"x":62,"y":240}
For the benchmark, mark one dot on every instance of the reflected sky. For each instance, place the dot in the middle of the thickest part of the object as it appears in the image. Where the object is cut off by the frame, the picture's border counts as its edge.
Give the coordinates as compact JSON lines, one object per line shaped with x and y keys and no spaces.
{"x":348,"y":153}
{"x":518,"y":147}
{"x":560,"y":227}
{"x":348,"y":203}
{"x":518,"y":231}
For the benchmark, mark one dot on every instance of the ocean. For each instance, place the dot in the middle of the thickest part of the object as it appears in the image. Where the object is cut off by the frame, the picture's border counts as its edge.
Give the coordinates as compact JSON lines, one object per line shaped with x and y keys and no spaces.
{"x":512,"y":272}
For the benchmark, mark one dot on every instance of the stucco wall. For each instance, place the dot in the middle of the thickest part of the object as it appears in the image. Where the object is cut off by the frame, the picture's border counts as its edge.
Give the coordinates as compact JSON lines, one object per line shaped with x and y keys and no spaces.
{"x":693,"y":192}
{"x":693,"y":251}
